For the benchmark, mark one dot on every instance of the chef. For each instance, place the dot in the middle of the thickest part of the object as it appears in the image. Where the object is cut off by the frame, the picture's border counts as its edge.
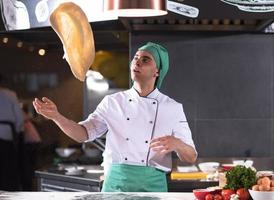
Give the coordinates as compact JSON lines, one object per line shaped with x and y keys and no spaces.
{"x":143,"y":127}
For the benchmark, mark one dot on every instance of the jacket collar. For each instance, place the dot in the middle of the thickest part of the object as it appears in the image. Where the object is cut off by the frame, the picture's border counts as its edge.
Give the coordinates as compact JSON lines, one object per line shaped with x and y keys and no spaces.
{"x":134,"y":94}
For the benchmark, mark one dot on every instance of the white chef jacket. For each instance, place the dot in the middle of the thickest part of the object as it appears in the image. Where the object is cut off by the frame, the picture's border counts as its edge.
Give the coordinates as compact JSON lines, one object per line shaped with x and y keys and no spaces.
{"x":131,"y":121}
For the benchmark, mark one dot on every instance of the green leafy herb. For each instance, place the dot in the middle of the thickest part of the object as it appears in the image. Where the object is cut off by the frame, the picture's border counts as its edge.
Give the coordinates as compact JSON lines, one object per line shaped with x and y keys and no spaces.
{"x":240,"y":177}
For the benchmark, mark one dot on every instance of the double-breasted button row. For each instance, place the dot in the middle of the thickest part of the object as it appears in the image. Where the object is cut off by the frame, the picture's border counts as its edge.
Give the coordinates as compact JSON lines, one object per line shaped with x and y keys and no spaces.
{"x":127,"y":139}
{"x":151,"y":122}
{"x":141,"y":160}
{"x":154,"y":102}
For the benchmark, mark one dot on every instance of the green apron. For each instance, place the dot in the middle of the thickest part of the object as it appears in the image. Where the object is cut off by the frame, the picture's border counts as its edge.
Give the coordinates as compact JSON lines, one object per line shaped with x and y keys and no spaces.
{"x":133,"y":178}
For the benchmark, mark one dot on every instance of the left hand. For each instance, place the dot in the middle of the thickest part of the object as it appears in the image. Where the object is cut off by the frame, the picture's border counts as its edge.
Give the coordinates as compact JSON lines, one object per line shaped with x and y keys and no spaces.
{"x":165,"y":144}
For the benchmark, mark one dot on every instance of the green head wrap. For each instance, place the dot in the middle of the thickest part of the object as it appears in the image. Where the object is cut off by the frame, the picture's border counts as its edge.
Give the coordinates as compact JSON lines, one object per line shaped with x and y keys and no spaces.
{"x":160,"y":56}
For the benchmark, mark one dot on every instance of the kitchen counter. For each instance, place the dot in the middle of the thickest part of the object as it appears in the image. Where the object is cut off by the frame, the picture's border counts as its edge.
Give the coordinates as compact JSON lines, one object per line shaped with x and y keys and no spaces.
{"x":93,"y":196}
{"x":57,"y":180}
{"x":260,"y":163}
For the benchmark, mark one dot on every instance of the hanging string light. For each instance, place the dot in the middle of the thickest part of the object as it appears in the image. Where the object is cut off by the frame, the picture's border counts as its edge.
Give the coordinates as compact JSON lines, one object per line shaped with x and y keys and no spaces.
{"x":41,"y":52}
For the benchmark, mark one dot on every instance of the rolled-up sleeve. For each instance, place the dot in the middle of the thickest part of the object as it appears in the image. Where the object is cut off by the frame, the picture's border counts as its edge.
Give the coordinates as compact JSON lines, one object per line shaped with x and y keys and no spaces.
{"x":181,"y":128}
{"x":95,"y":124}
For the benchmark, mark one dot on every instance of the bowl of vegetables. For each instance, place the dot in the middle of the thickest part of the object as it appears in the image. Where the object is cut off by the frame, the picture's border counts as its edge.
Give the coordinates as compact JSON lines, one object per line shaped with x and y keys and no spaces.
{"x":264,"y":187}
{"x":239,"y":179}
{"x":200,"y":194}
{"x":208,"y":193}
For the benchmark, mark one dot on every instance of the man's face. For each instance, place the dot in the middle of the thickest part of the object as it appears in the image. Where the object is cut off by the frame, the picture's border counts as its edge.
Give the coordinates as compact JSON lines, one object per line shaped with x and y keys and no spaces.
{"x":143,"y":67}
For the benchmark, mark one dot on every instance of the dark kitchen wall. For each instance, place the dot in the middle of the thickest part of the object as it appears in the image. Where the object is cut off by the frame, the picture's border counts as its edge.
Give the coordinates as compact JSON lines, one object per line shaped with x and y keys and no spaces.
{"x":225,"y":83}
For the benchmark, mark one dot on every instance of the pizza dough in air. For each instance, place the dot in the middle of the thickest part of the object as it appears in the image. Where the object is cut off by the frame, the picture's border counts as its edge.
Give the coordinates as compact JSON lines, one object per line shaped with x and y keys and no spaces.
{"x":71,"y":25}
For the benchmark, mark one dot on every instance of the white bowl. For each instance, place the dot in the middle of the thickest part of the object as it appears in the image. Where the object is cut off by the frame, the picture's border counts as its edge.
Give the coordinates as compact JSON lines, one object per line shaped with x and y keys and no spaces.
{"x":238,"y":162}
{"x":261,"y":195}
{"x":209,"y":167}
{"x":65,"y":152}
{"x":265,"y":173}
{"x":247,"y":163}
{"x":191,"y":168}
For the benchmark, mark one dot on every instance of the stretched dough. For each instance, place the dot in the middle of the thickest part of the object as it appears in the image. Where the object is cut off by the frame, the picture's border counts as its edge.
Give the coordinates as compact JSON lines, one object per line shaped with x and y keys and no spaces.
{"x":71,"y":25}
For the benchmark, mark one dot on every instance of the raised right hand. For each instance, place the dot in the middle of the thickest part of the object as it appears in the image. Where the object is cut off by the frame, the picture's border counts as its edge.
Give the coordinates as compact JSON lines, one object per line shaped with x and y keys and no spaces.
{"x":46,"y":107}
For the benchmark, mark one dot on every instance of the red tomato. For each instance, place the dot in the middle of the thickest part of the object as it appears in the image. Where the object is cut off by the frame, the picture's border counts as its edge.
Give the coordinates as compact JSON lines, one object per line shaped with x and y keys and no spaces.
{"x":218,"y":197}
{"x":243,"y":194}
{"x":209,"y":197}
{"x":226,"y":193}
